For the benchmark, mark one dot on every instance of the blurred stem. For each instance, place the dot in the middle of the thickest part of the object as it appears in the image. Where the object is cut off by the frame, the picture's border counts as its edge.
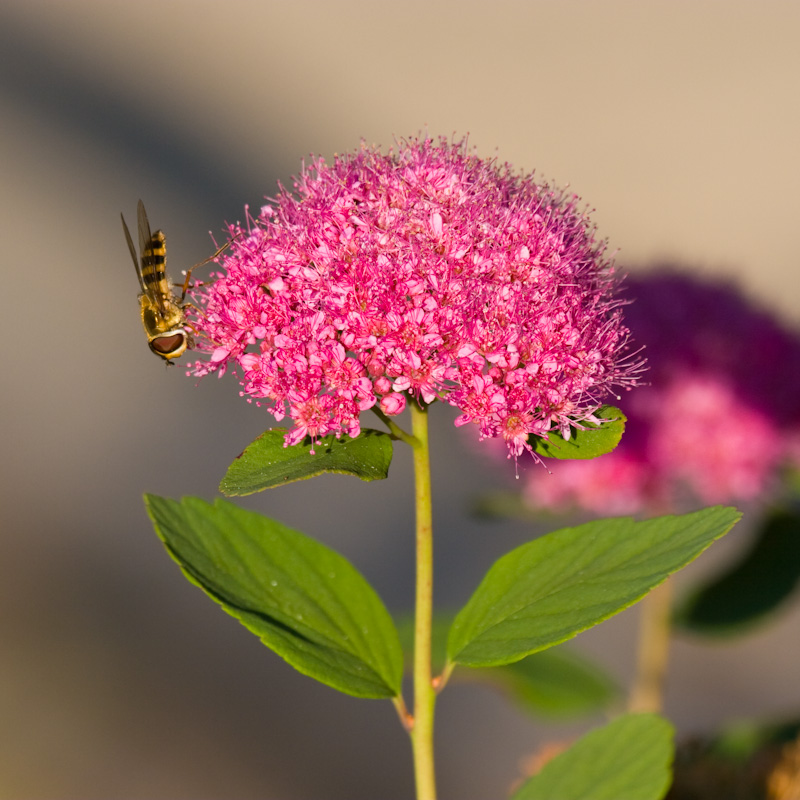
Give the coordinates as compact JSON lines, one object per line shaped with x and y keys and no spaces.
{"x":424,"y":694}
{"x":647,"y":692}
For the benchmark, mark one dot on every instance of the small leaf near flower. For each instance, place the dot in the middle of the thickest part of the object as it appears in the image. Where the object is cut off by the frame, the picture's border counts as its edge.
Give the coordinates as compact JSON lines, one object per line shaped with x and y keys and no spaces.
{"x":591,"y":441}
{"x":302,"y":599}
{"x":268,"y":463}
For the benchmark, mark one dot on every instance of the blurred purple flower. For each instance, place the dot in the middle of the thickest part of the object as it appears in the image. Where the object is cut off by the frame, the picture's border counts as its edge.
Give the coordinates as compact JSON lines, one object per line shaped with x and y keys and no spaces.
{"x":720,"y":416}
{"x":424,"y":272}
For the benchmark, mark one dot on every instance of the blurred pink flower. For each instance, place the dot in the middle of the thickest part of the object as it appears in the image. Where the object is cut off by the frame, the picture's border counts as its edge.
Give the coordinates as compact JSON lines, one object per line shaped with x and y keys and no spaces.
{"x":426,"y":272}
{"x":719,"y":418}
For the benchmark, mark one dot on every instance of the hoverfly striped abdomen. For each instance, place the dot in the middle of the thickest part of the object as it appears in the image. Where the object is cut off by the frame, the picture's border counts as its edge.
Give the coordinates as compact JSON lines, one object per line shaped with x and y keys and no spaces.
{"x":154,"y":262}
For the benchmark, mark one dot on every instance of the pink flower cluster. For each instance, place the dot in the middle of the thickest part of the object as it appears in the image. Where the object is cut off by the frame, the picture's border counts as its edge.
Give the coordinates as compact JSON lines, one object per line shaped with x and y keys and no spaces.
{"x":719,"y":418}
{"x":425,"y":272}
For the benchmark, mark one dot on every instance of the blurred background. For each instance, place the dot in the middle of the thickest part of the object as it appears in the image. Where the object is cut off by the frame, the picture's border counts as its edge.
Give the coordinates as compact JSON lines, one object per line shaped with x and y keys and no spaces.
{"x":678,"y":121}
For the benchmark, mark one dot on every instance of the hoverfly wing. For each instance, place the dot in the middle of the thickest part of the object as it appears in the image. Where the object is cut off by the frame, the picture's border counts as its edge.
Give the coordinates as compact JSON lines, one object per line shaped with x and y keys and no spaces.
{"x":145,"y":237}
{"x":136,"y":265}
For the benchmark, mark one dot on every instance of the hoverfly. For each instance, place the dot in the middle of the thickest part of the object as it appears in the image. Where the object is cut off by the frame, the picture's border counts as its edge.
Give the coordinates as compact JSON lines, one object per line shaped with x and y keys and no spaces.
{"x":163,"y":313}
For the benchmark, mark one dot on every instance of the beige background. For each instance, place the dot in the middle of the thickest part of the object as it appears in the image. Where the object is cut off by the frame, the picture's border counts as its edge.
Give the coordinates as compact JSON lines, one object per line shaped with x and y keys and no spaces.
{"x":678,"y":121}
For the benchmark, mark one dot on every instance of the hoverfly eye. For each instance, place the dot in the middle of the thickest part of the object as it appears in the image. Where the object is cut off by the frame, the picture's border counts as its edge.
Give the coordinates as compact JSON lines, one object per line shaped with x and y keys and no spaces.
{"x":167,"y":345}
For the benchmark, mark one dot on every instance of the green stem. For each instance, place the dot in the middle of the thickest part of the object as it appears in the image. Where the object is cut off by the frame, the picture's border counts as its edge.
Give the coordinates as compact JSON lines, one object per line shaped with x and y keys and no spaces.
{"x":424,"y":694}
{"x":396,"y":431}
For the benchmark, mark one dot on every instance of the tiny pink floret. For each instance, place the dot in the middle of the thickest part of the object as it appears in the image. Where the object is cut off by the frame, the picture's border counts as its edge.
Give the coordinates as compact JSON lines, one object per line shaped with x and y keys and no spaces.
{"x":393,"y":404}
{"x":425,"y":272}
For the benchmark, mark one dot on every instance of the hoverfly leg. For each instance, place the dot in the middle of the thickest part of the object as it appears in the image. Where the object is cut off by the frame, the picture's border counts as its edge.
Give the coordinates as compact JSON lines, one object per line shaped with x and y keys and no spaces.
{"x":199,"y":311}
{"x":205,"y":261}
{"x":186,"y":285}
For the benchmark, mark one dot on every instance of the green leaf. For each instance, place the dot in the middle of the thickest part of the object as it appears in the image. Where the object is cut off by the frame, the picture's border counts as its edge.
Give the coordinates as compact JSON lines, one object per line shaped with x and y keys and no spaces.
{"x":593,"y":441}
{"x":628,"y":759}
{"x":266,"y":463}
{"x":552,"y":683}
{"x":753,"y":587}
{"x":302,"y":599}
{"x":548,"y":590}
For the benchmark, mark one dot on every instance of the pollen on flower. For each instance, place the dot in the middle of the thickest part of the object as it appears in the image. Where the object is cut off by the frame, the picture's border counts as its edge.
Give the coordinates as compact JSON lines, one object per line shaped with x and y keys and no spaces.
{"x":424,"y":272}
